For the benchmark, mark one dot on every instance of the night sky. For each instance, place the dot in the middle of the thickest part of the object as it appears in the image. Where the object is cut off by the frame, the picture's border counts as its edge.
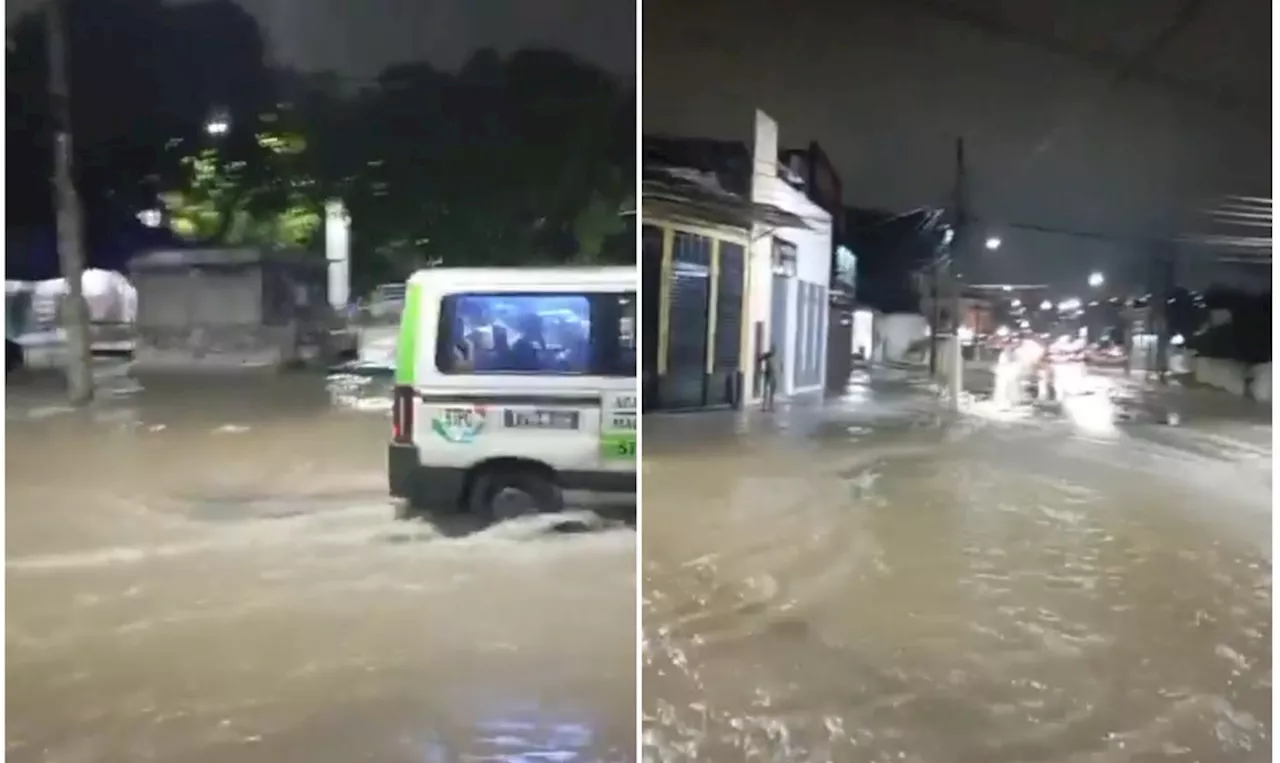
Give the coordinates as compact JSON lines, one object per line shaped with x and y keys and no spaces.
{"x":359,"y":37}
{"x":886,"y":87}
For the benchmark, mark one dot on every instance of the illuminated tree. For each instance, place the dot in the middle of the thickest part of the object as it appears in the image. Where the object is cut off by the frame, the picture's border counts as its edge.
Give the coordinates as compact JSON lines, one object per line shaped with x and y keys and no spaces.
{"x":266,"y":200}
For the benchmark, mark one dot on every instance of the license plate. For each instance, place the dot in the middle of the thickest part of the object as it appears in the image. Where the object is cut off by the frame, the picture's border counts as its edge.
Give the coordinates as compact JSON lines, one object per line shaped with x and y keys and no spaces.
{"x":540,"y":419}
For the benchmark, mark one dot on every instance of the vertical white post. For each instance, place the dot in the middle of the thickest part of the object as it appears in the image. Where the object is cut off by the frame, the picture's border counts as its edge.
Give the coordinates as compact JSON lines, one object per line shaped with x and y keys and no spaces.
{"x":956,"y":369}
{"x":337,"y":250}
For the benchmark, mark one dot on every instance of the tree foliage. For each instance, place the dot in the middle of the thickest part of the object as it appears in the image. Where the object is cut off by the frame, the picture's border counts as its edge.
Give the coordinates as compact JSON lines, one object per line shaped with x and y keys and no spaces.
{"x":270,"y":202}
{"x":507,"y":161}
{"x":527,"y":158}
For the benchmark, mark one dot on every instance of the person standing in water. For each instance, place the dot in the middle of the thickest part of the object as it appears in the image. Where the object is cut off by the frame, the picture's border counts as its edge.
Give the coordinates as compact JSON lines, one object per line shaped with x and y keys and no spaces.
{"x":769,"y":374}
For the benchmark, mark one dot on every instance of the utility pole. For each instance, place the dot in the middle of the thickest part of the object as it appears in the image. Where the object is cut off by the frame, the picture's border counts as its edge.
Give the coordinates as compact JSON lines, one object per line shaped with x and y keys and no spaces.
{"x":66,"y":204}
{"x":1161,"y":294}
{"x":935,"y":305}
{"x":955,"y":369}
{"x":1130,"y":322}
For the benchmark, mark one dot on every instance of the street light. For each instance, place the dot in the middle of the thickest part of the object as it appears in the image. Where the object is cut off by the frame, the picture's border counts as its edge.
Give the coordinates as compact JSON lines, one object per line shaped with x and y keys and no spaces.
{"x":1068,"y":305}
{"x":1096,"y":279}
{"x":1016,"y":303}
{"x":1046,"y":305}
{"x":993,"y":243}
{"x":217,"y":127}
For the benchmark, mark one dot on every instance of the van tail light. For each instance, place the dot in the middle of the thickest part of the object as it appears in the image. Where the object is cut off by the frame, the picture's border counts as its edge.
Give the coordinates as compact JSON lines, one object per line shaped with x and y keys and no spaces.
{"x":402,"y":415}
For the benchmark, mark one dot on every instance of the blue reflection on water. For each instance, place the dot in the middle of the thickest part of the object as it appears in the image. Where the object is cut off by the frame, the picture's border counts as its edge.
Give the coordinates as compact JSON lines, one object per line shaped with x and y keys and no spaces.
{"x":521,"y":739}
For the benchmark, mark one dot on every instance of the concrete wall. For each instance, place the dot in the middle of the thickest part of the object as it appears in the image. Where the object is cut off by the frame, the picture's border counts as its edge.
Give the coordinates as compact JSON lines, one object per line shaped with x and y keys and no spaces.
{"x":194,"y":318}
{"x":1261,"y":387}
{"x":895,"y":333}
{"x":179,"y":299}
{"x":1231,"y":376}
{"x":759,"y":269}
{"x":813,"y":259}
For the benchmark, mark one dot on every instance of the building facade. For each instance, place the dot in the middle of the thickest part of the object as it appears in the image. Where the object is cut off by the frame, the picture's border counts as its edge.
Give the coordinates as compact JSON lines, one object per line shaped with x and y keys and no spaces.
{"x":823,"y":186}
{"x":732,"y":267}
{"x":734,"y":263}
{"x":790,"y":274}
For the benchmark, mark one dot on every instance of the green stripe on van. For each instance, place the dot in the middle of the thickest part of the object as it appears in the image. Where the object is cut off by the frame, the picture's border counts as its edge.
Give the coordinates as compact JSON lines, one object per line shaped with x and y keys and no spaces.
{"x":618,"y":445}
{"x":407,"y":341}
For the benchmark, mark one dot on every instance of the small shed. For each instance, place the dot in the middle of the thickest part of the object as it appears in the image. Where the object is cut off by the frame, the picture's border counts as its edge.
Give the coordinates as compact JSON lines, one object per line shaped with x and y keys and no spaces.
{"x":233,"y":307}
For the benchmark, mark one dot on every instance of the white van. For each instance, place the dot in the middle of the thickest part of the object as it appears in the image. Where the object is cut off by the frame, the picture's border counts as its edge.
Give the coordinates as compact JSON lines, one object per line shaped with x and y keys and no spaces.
{"x":513,"y":385}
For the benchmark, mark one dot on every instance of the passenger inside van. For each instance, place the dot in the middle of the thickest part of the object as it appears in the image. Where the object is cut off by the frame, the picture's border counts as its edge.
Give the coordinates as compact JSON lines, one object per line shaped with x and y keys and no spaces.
{"x":463,"y":350}
{"x":526,"y":353}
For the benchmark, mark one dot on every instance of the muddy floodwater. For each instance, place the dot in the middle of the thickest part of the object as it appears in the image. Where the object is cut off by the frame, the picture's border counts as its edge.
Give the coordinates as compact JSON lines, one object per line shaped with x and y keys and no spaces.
{"x":208,"y":569}
{"x":875,"y":582}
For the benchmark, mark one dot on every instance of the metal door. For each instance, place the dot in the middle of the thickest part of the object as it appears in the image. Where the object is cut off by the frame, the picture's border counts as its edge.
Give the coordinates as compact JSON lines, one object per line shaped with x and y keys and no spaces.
{"x":779,"y":330}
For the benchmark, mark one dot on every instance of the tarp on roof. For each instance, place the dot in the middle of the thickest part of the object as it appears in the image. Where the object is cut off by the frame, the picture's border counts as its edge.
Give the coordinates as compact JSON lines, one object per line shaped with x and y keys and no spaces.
{"x":683,"y":194}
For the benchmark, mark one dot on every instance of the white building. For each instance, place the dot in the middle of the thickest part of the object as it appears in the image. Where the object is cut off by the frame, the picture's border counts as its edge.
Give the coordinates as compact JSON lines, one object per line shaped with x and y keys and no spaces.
{"x":790,"y":269}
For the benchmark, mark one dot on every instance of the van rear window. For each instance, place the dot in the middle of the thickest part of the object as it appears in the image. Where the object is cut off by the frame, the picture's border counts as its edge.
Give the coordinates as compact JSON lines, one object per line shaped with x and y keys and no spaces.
{"x":542,"y":333}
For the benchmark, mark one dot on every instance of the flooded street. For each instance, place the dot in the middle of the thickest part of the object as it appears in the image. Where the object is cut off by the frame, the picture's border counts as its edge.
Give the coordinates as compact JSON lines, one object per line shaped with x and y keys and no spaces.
{"x":876,"y":582}
{"x":209,"y":569}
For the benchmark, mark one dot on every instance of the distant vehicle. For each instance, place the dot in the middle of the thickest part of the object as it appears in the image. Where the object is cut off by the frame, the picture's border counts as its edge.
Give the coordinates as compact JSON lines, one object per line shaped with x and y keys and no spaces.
{"x":513,"y":385}
{"x":34,"y":334}
{"x":386,"y":301}
{"x":1065,"y":349}
{"x":1106,"y":356}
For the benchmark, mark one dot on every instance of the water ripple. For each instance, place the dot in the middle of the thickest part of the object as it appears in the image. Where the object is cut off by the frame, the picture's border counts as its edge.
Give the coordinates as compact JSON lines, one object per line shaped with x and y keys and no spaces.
{"x":983,"y":598}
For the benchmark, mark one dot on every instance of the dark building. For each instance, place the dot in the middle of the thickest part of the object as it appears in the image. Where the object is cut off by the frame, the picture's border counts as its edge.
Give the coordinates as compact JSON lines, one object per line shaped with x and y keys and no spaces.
{"x":891,"y":248}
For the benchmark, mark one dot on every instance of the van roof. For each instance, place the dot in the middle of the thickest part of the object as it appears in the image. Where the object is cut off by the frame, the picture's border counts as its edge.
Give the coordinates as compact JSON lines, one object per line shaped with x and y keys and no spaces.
{"x":514,"y":276}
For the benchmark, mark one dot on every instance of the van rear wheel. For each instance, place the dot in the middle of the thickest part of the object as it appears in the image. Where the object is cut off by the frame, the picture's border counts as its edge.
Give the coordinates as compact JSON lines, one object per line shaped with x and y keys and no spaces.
{"x":503,"y":494}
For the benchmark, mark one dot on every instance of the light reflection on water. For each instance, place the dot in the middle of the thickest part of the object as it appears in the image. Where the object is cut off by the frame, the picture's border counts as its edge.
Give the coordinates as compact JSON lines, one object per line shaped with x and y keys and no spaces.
{"x":523,"y":739}
{"x":987,"y":598}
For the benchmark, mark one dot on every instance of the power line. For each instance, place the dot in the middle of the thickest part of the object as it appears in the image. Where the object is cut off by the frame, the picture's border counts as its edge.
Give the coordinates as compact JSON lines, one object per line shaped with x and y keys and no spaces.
{"x":1241,"y":244}
{"x":1109,"y":237}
